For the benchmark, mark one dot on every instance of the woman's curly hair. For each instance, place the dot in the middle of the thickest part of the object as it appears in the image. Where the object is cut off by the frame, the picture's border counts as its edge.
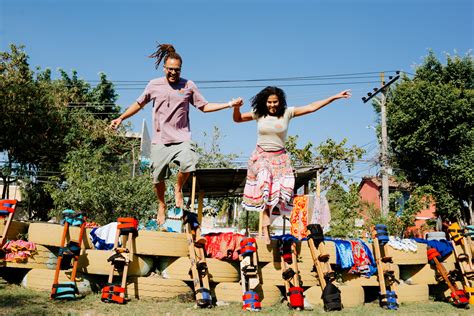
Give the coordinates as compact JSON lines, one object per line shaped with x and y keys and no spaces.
{"x":163,"y":52}
{"x":259,"y":101}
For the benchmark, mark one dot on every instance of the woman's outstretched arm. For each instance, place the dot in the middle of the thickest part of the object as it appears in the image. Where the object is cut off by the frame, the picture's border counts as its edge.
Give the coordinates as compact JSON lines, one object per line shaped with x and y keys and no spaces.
{"x":241,"y":117}
{"x":316,"y":105}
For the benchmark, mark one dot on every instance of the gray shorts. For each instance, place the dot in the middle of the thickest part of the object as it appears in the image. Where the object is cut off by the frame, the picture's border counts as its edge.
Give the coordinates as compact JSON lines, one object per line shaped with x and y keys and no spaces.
{"x":182,"y":154}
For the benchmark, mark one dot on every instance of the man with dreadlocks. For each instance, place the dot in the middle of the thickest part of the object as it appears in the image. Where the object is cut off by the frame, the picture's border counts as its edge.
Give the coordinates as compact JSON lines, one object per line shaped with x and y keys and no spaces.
{"x":171,"y":139}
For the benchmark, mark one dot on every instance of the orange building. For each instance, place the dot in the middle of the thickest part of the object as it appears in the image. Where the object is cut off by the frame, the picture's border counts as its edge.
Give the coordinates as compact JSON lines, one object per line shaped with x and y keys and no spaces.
{"x":370,"y":189}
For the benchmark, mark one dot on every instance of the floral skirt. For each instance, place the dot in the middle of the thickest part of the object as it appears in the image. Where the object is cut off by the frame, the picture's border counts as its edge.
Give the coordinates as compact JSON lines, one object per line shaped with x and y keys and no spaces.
{"x":270,"y":183}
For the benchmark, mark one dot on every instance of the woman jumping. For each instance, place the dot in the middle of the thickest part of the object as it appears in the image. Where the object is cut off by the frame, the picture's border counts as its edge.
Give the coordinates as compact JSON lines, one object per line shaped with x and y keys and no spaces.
{"x":270,"y":176}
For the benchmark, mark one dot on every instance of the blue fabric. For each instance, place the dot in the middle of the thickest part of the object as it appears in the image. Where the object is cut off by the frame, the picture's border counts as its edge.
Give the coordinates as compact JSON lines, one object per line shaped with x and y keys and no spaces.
{"x":152,"y":225}
{"x":174,"y":222}
{"x":344,"y":258}
{"x":373,"y":264}
{"x":444,"y":247}
{"x":285,"y":237}
{"x":392,"y":300}
{"x":382,"y":233}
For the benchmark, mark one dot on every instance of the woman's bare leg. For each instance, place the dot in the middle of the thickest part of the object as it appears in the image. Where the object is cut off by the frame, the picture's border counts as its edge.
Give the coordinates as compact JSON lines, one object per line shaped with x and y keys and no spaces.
{"x":266,"y":226}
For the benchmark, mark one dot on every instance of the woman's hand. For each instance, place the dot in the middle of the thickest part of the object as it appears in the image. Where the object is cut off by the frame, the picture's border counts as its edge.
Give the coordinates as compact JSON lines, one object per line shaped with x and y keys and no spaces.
{"x":346,"y":94}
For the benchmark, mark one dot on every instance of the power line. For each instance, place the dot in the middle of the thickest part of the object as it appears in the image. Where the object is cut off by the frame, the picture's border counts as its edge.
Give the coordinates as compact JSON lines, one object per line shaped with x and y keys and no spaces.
{"x":263,"y":86}
{"x":313,"y":77}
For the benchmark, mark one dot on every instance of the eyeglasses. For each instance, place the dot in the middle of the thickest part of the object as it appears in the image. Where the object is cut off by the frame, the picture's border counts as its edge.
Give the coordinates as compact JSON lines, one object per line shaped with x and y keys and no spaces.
{"x":171,"y":69}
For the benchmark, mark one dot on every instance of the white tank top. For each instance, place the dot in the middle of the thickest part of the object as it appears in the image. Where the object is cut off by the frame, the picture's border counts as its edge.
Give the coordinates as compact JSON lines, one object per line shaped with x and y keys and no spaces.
{"x":272,"y":130}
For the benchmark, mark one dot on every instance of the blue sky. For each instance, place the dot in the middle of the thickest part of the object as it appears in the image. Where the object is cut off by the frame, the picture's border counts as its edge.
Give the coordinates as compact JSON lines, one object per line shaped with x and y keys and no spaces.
{"x":222,"y":40}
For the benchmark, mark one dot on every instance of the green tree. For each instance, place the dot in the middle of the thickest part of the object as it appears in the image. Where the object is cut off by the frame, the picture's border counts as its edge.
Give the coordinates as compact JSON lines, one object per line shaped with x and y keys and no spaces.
{"x":345,"y":207}
{"x":430,"y":129}
{"x":103,"y":188}
{"x":336,"y":159}
{"x":43,"y":119}
{"x":211,"y":156}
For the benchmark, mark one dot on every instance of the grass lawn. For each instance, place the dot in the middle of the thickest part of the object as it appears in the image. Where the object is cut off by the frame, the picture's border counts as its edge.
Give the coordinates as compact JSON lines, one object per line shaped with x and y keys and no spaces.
{"x":15,"y":300}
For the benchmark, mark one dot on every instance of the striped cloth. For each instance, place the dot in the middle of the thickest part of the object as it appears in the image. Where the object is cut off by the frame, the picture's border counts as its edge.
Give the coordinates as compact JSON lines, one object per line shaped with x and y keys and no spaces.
{"x":270,"y":183}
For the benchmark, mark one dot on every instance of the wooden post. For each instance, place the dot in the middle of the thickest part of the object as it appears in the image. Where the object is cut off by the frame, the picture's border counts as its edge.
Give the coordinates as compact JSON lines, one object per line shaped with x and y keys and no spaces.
{"x":200,"y":205}
{"x":193,"y":191}
{"x":318,"y":183}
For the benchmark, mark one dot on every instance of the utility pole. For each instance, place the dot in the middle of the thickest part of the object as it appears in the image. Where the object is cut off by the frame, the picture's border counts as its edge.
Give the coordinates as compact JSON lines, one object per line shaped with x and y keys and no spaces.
{"x":381,"y":101}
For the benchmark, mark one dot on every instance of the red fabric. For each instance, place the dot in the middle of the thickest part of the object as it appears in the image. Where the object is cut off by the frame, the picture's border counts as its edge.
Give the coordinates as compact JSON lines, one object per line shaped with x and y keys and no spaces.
{"x":296,"y":297}
{"x":361,"y":259}
{"x":223,"y":246}
{"x":299,"y":217}
{"x":432,"y":253}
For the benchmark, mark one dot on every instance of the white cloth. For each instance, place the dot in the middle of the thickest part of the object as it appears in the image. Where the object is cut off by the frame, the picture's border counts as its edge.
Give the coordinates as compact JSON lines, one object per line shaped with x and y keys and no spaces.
{"x":103,"y":237}
{"x":402,"y":244}
{"x":321,"y":213}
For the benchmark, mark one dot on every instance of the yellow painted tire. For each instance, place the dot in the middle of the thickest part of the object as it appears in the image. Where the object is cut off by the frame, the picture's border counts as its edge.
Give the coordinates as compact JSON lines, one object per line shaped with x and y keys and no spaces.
{"x":155,"y":287}
{"x":178,"y":268}
{"x":42,"y":280}
{"x":271,"y":274}
{"x":232,"y":292}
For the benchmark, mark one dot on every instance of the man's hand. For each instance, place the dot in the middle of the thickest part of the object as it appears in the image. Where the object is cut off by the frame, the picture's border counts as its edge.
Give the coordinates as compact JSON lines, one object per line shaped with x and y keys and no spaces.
{"x":115,"y":123}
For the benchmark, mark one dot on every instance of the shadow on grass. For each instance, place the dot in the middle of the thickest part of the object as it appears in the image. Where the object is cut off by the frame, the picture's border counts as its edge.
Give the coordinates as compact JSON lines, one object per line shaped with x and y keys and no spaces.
{"x":23,"y":303}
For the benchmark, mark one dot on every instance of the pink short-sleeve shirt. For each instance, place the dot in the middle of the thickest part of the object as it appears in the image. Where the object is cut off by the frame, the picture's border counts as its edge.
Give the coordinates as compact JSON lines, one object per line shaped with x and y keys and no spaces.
{"x":171,"y":108}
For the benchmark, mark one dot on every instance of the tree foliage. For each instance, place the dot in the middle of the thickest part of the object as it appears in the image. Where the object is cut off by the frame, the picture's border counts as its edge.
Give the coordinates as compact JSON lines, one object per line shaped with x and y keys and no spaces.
{"x":430,"y":122}
{"x":103,"y":188}
{"x":337,"y":159}
{"x":43,"y":119}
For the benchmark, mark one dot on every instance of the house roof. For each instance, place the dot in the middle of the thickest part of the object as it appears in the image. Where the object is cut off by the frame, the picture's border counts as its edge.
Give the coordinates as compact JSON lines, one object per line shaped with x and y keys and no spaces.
{"x":223,"y":182}
{"x":392,"y":183}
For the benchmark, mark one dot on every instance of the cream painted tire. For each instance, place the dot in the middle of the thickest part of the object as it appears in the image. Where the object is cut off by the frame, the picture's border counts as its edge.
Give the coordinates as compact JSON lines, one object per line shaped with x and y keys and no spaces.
{"x":155,"y":287}
{"x":42,"y":280}
{"x":271,"y":274}
{"x":232,"y":292}
{"x":178,"y":268}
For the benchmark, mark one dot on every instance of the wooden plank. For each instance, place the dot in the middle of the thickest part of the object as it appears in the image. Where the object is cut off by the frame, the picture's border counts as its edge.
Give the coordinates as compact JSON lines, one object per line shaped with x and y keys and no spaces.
{"x":15,"y":230}
{"x":49,"y":234}
{"x":401,"y":257}
{"x":270,"y":253}
{"x":422,"y":274}
{"x":94,"y":261}
{"x":354,"y":279}
{"x":413,"y":293}
{"x":155,"y":243}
